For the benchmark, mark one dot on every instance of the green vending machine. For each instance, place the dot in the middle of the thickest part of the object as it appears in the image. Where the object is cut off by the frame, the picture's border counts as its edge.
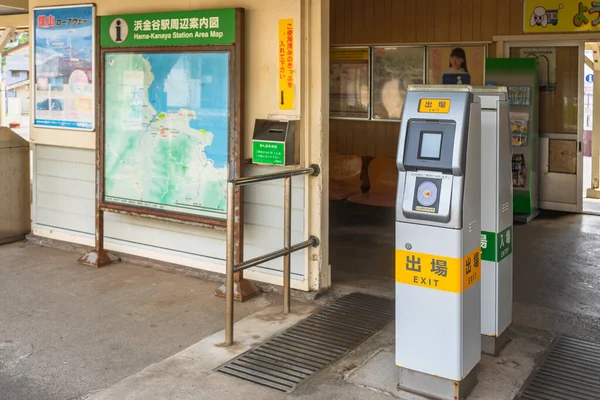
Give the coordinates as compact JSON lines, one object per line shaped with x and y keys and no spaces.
{"x":519,"y":75}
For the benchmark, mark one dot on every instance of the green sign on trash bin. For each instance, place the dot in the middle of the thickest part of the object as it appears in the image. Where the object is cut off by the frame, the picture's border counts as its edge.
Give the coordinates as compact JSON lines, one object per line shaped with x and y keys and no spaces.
{"x":270,"y":153}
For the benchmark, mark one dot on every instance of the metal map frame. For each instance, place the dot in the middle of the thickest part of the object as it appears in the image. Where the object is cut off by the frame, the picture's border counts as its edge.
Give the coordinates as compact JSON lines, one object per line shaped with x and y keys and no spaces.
{"x":236,"y":51}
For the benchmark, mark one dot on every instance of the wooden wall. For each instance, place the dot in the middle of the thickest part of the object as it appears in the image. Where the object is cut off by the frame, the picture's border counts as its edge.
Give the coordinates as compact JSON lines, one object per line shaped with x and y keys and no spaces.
{"x":410,"y":21}
{"x":558,"y":110}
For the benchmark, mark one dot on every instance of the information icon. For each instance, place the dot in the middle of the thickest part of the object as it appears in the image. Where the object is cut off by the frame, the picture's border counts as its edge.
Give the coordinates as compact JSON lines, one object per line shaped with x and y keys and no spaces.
{"x":119,"y":30}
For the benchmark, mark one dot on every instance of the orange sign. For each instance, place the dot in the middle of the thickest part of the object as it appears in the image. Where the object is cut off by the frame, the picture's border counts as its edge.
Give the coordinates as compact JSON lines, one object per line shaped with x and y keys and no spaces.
{"x":438,"y":272}
{"x":438,"y":106}
{"x":286,"y":64}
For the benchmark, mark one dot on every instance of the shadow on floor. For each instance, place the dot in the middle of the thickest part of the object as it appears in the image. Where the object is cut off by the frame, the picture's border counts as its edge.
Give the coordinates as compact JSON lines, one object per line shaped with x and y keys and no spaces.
{"x":361,"y":240}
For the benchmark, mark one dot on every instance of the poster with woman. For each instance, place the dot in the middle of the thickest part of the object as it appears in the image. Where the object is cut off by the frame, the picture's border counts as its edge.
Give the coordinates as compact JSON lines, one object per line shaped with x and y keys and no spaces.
{"x":456,"y":65}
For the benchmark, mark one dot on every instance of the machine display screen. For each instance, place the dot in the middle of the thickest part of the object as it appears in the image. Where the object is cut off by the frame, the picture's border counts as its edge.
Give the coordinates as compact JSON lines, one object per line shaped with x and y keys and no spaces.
{"x":430,"y":146}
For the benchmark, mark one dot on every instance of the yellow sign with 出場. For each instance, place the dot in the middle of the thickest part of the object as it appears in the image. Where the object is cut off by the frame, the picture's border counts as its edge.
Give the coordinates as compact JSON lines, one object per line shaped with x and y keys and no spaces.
{"x":438,"y":106}
{"x":551,"y":16}
{"x":437,"y":272}
{"x":471,"y":268}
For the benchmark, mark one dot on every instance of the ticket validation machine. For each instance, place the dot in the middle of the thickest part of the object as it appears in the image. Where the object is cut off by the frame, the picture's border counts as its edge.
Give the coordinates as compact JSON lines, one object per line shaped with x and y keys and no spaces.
{"x":438,"y":231}
{"x":496,"y":218}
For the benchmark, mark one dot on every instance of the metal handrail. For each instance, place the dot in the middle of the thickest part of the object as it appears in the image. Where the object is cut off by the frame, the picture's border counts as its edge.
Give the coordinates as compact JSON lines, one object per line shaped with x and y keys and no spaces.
{"x":285,"y":252}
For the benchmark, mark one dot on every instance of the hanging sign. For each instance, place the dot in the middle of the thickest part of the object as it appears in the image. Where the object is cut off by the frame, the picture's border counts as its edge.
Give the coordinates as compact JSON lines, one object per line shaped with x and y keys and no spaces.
{"x":64,"y":95}
{"x":548,"y":16}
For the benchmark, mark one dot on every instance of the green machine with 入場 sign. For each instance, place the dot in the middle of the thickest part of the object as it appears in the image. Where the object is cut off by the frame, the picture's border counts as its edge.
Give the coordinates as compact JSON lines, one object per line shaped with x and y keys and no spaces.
{"x":520,"y":77}
{"x":274,"y":142}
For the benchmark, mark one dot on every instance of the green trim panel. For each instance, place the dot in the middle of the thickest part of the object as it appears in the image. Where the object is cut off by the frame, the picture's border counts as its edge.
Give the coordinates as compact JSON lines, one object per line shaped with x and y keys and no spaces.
{"x":510,"y":64}
{"x":522,"y":202}
{"x":495,"y":247}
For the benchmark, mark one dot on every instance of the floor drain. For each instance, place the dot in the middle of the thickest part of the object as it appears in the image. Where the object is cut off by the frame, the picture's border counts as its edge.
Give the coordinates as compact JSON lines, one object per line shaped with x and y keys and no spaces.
{"x":286,"y":360}
{"x":570,"y":371}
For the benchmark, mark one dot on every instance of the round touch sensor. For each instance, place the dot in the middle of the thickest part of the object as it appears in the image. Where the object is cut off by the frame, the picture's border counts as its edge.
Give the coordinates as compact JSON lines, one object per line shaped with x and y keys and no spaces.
{"x":427,"y":194}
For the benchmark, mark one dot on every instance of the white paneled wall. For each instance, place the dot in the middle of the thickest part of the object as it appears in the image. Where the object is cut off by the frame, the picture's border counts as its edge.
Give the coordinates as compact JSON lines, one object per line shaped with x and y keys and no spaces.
{"x":65,"y":191}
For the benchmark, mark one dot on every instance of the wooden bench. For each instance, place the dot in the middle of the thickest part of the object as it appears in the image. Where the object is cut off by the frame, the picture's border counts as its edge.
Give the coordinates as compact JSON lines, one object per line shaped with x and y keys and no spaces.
{"x":344,"y":176}
{"x":383,"y":177}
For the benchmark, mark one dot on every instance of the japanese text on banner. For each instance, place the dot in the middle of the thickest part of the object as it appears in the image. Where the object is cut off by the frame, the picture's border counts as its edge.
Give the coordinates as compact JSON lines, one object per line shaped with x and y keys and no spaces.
{"x":286,"y":64}
{"x":438,"y":272}
{"x":64,"y":95}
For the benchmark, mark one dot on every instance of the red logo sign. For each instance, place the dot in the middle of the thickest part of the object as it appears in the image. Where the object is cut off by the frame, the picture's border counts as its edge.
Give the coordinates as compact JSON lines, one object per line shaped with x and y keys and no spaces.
{"x":46,"y":21}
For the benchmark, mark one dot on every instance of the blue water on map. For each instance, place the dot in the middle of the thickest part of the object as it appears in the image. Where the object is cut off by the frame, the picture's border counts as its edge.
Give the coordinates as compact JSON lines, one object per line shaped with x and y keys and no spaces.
{"x":197,"y":81}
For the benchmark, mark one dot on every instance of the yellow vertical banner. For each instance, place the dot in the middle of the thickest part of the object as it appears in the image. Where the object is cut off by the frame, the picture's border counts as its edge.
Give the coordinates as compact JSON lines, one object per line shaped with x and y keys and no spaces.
{"x":286,"y":64}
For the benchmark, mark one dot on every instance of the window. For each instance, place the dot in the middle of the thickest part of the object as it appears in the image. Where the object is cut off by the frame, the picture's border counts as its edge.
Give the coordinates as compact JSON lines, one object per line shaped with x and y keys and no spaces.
{"x":371,"y":82}
{"x":349,"y":85}
{"x":394,"y":69}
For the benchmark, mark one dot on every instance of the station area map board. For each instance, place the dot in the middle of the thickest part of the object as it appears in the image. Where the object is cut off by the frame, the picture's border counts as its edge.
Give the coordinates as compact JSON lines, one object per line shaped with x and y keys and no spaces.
{"x":166,"y":129}
{"x":169,"y":97}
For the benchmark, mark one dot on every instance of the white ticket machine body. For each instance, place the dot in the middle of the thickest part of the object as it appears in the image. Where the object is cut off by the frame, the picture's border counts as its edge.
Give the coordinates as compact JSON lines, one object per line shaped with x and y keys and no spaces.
{"x":496,"y":218}
{"x":438,"y":232}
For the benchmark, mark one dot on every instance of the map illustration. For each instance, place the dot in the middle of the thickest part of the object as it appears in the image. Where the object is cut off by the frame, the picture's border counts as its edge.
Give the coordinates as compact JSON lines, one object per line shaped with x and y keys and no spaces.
{"x":166,"y":131}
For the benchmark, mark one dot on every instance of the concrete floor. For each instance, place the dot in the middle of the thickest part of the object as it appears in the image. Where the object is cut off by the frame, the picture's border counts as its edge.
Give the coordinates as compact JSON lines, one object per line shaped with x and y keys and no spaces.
{"x":591,"y":206}
{"x":361,"y":241}
{"x":68,"y":330}
{"x":366,"y":373}
{"x":557,"y":263}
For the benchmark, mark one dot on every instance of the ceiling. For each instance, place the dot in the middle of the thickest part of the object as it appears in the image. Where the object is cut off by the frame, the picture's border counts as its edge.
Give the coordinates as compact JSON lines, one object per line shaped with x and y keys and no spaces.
{"x":10,"y":10}
{"x":9,"y":7}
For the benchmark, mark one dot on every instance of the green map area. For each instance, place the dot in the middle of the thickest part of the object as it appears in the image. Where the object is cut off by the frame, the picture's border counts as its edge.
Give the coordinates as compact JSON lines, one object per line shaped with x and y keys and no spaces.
{"x":166,"y":131}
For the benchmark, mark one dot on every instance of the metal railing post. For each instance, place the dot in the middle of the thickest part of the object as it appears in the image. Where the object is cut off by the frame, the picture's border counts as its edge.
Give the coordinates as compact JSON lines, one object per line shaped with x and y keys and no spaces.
{"x":287,"y":243}
{"x":286,"y":252}
{"x":230,"y":260}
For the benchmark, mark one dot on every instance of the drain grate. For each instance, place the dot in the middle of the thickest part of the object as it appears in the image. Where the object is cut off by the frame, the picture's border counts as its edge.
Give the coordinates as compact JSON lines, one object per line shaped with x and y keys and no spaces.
{"x":286,"y":360}
{"x":570,"y":371}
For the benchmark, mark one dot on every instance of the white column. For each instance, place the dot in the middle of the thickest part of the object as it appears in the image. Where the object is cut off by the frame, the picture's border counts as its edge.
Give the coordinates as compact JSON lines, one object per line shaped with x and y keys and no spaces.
{"x":594,"y":192}
{"x":315,"y":117}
